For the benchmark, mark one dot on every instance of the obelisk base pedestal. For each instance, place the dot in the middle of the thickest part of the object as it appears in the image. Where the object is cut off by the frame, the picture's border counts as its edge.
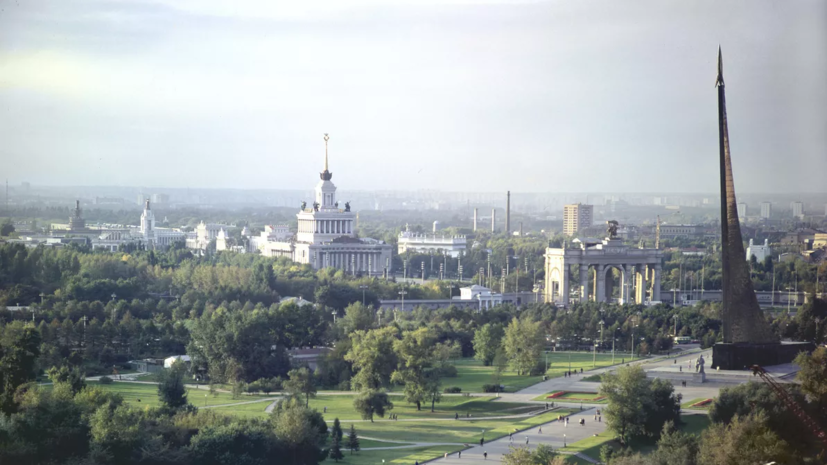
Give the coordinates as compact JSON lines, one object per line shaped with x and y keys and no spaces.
{"x":743,"y":355}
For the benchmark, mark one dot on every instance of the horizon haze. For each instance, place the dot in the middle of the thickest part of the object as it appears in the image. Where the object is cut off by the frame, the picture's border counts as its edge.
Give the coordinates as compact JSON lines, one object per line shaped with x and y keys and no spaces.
{"x":476,"y":96}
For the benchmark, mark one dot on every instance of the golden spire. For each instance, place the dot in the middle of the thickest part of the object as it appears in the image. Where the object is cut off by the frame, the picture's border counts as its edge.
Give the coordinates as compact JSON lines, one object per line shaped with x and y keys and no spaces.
{"x":326,"y":138}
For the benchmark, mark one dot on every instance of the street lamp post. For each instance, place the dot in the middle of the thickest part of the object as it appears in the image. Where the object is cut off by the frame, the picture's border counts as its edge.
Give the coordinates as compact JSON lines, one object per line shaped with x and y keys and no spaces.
{"x":334,"y":316}
{"x":363,"y":287}
{"x":614,"y":338}
{"x":113,"y":307}
{"x":675,"y":317}
{"x":402,"y":293}
{"x":594,"y":354}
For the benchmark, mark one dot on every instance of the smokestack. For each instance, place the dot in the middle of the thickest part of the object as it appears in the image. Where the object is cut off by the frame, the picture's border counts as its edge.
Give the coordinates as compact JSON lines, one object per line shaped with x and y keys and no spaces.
{"x":508,"y":213}
{"x":475,"y":218}
{"x":493,"y":220}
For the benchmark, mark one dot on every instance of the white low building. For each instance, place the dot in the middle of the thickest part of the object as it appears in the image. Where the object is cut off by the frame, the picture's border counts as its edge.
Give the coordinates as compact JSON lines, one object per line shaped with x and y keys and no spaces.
{"x":431,"y":243}
{"x":146,"y":235}
{"x":761,"y":252}
{"x":169,"y":361}
{"x":486,"y":298}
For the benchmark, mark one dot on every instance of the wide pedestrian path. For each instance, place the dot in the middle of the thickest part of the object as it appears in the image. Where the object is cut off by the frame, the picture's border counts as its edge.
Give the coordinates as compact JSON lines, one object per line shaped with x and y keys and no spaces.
{"x":554,"y":434}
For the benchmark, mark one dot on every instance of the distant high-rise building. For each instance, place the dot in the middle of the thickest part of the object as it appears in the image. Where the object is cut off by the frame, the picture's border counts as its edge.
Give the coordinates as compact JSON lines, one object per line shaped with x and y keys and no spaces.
{"x":576,"y":217}
{"x":160,"y":198}
{"x":742,"y":210}
{"x":798,"y":209}
{"x":766,"y":210}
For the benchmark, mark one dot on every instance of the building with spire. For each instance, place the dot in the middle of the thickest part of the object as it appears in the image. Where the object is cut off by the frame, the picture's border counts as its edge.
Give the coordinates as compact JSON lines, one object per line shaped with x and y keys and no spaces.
{"x":326,"y":234}
{"x":76,"y":221}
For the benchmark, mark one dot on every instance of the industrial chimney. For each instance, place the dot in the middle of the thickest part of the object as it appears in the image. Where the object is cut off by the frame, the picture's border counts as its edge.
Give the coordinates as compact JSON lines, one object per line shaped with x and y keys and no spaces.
{"x":475,"y":218}
{"x":493,"y":220}
{"x":508,"y":213}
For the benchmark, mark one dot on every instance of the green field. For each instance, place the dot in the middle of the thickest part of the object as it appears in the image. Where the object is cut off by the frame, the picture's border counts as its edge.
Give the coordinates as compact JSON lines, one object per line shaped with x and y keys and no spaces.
{"x":450,"y":431}
{"x":368,"y":443}
{"x":585,"y":397}
{"x":147,"y":394}
{"x":341,"y":406}
{"x":471,"y":374}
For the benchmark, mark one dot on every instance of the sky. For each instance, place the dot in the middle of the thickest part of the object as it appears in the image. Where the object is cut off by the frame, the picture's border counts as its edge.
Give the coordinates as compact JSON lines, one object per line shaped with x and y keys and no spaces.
{"x":454,"y":95}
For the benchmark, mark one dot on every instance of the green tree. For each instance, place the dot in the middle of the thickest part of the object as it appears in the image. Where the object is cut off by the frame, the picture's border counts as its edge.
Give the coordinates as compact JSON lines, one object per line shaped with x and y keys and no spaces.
{"x":357,"y":318}
{"x":756,"y":397}
{"x":744,"y":441}
{"x":18,"y":357}
{"x":301,"y":384}
{"x":372,"y":402}
{"x":523,"y":344}
{"x":542,"y":455}
{"x":676,"y":447}
{"x":373,"y":357}
{"x":813,"y":375}
{"x":247,"y":442}
{"x":433,"y":387}
{"x":336,"y":449}
{"x":415,"y":354}
{"x":638,"y":406}
{"x":352,"y":439}
{"x":6,"y":227}
{"x":336,"y":431}
{"x":302,"y":433}
{"x":171,"y":390}
{"x":487,"y":340}
{"x":73,"y":377}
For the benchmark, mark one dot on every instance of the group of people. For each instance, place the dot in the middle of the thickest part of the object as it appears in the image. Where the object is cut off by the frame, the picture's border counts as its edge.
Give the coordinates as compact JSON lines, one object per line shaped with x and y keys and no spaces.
{"x":568,"y":373}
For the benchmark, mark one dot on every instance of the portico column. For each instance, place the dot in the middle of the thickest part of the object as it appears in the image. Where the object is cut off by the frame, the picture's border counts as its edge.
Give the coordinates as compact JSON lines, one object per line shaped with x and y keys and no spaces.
{"x":600,"y":283}
{"x":566,"y":285}
{"x":656,"y":283}
{"x":643,"y":280}
{"x":584,"y":282}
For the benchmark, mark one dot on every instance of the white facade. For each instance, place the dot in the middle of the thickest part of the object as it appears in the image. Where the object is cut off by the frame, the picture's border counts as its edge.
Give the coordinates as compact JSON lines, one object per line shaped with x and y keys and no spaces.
{"x":146,"y":234}
{"x":798,"y":209}
{"x":326,"y":235}
{"x":766,"y":210}
{"x":486,"y":298}
{"x":431,"y":243}
{"x":204,"y":233}
{"x":761,"y":252}
{"x":742,"y":211}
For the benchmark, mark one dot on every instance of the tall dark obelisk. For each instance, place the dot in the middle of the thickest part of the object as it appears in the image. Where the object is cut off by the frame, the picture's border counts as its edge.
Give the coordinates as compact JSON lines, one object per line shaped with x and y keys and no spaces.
{"x":747,"y":337}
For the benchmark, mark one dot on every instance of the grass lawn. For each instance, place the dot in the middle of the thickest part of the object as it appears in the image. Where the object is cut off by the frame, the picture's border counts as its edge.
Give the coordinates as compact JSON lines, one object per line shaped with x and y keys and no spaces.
{"x":471,"y":374}
{"x":589,"y":397}
{"x":688,"y":404}
{"x":147,"y":394}
{"x":397,"y":456}
{"x":694,"y":424}
{"x":459,"y":432}
{"x":341,"y":406}
{"x":368,"y":443}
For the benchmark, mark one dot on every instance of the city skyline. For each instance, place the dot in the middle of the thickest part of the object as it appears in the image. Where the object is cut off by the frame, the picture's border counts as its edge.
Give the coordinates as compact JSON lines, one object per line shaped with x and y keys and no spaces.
{"x":582,"y":96}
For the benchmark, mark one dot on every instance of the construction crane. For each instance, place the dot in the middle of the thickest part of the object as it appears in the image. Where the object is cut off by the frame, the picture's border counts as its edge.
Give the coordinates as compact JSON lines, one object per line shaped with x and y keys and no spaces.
{"x":791,"y":404}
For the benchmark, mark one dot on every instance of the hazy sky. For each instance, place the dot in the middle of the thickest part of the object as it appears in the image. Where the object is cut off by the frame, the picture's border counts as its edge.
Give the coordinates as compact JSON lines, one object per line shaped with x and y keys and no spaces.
{"x":471,"y":95}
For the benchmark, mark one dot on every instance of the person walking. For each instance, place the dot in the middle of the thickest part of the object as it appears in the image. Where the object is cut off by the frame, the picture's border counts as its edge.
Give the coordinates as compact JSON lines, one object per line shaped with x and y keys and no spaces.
{"x":526,"y":440}
{"x":456,"y":416}
{"x":510,"y":437}
{"x":540,"y":431}
{"x":459,"y":454}
{"x":482,"y":441}
{"x":485,"y":455}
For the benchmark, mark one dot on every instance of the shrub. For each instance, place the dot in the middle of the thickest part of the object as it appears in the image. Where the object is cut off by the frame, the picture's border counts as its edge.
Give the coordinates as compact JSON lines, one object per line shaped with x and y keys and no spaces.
{"x":105,"y":380}
{"x":492,"y":388}
{"x":448,"y":371}
{"x":452,"y":390}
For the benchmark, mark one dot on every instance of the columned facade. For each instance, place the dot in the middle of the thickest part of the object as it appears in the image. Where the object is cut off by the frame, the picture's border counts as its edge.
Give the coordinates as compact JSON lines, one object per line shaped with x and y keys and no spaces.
{"x":604,"y":262}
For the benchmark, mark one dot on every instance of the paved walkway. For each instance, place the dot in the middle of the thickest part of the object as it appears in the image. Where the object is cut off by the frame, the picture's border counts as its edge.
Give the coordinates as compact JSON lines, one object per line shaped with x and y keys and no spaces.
{"x":554,"y":434}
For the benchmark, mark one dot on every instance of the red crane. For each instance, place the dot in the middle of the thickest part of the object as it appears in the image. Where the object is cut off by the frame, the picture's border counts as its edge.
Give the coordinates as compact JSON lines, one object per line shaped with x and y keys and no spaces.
{"x":790,"y":402}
